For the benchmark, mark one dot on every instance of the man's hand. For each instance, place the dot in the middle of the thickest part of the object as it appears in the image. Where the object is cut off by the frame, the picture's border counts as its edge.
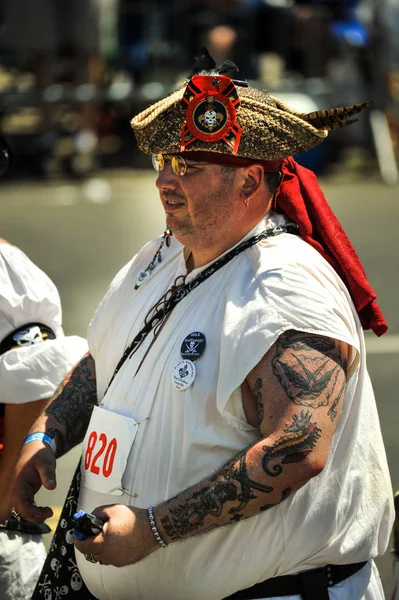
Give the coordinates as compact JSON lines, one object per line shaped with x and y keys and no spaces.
{"x":35,"y":467}
{"x":18,"y":420}
{"x":126,"y":537}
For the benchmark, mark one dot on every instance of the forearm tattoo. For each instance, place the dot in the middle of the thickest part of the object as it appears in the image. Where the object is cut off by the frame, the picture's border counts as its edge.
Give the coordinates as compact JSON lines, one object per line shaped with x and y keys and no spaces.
{"x":72,"y":405}
{"x":232,"y":485}
{"x":311,"y":369}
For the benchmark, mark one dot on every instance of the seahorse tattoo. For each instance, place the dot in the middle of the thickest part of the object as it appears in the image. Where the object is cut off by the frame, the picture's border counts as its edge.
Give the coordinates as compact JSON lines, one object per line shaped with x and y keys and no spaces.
{"x":309,"y":368}
{"x":234,"y":486}
{"x":299,"y":441}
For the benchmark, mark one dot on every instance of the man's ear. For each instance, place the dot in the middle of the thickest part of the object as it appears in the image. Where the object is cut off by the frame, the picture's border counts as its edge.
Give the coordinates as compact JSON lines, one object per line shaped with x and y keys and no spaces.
{"x":253,"y":180}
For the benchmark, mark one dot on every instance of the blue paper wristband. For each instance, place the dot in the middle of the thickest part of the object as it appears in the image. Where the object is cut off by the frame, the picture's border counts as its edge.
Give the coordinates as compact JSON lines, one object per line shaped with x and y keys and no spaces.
{"x":41,"y":437}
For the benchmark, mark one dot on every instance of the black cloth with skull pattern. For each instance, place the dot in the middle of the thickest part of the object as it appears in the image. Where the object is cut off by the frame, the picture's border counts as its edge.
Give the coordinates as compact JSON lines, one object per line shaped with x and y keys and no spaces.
{"x":60,"y":577}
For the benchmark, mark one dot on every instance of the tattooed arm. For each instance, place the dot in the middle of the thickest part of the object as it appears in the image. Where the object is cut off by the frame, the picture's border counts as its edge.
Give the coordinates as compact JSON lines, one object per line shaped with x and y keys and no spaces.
{"x":68,"y":413}
{"x":293,"y":395}
{"x":65,"y":418}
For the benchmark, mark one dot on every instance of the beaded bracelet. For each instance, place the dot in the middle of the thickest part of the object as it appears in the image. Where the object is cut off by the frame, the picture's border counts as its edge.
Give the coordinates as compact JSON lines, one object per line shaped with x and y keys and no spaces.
{"x":154,"y":527}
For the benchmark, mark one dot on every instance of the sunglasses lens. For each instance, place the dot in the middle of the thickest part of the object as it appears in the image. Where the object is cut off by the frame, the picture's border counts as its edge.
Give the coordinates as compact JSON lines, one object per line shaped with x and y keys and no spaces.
{"x":179,"y":165}
{"x":5,"y":156}
{"x":158,"y":162}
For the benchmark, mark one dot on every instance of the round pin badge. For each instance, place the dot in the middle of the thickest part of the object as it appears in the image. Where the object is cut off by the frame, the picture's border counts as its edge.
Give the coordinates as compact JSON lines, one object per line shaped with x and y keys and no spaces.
{"x":193,"y":346}
{"x":183,"y":375}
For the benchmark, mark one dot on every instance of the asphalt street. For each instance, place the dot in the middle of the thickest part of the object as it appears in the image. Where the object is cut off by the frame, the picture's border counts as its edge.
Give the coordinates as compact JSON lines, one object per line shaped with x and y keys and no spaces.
{"x":82,"y":233}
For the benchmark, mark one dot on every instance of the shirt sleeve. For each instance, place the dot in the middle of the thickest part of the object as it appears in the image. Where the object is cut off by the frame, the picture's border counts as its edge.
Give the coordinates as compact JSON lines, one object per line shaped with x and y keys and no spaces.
{"x":304,"y":295}
{"x":34,"y":372}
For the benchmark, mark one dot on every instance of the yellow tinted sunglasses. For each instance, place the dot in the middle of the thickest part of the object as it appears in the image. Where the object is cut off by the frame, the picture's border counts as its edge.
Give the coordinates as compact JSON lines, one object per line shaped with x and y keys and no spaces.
{"x":178,"y":164}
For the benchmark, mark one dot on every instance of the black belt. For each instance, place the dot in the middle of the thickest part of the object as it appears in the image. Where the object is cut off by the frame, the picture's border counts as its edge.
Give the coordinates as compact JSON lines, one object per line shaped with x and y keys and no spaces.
{"x":310,"y":585}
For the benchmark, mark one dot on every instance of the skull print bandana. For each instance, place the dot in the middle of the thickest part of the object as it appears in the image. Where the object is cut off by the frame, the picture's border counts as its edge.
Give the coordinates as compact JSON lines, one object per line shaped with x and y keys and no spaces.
{"x":60,"y":577}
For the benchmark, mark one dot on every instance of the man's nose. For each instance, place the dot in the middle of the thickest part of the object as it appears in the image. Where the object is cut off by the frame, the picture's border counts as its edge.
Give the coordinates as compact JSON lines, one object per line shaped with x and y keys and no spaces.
{"x":166,"y":178}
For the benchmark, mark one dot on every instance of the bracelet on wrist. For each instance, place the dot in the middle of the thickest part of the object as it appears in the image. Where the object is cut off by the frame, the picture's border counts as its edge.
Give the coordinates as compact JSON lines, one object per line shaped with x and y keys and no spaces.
{"x":41,"y":437}
{"x":154,"y":528}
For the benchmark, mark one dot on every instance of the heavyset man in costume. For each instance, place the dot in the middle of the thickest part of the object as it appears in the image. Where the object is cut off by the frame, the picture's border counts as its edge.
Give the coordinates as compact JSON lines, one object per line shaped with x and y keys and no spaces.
{"x":231,"y":437}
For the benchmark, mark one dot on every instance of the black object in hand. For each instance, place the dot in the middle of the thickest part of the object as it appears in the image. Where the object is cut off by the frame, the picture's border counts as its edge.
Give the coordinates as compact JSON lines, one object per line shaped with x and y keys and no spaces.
{"x":86,"y":524}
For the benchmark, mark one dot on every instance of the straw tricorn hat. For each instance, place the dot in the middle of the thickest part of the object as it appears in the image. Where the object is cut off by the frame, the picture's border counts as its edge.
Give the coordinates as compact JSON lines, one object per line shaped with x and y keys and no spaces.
{"x":213,"y":112}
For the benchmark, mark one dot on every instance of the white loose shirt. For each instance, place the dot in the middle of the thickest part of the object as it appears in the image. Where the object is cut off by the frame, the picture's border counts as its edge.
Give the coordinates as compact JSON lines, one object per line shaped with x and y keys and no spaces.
{"x":343,"y":515}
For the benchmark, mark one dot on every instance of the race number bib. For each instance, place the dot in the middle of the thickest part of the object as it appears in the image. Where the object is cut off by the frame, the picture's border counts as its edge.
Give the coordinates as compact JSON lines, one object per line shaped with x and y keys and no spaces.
{"x":106,"y":448}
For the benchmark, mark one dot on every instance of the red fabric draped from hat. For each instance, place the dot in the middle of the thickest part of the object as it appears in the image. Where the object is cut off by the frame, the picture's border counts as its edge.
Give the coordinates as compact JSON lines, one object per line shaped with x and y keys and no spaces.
{"x":301,"y":199}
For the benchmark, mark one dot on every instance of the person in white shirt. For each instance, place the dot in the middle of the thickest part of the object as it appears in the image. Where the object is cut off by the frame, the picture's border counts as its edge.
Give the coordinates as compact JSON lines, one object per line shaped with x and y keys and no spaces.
{"x":226,"y":382}
{"x":35,"y":356}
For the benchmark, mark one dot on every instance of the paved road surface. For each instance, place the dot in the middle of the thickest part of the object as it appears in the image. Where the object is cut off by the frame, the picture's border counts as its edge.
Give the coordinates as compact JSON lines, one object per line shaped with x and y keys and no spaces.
{"x":82,"y":233}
